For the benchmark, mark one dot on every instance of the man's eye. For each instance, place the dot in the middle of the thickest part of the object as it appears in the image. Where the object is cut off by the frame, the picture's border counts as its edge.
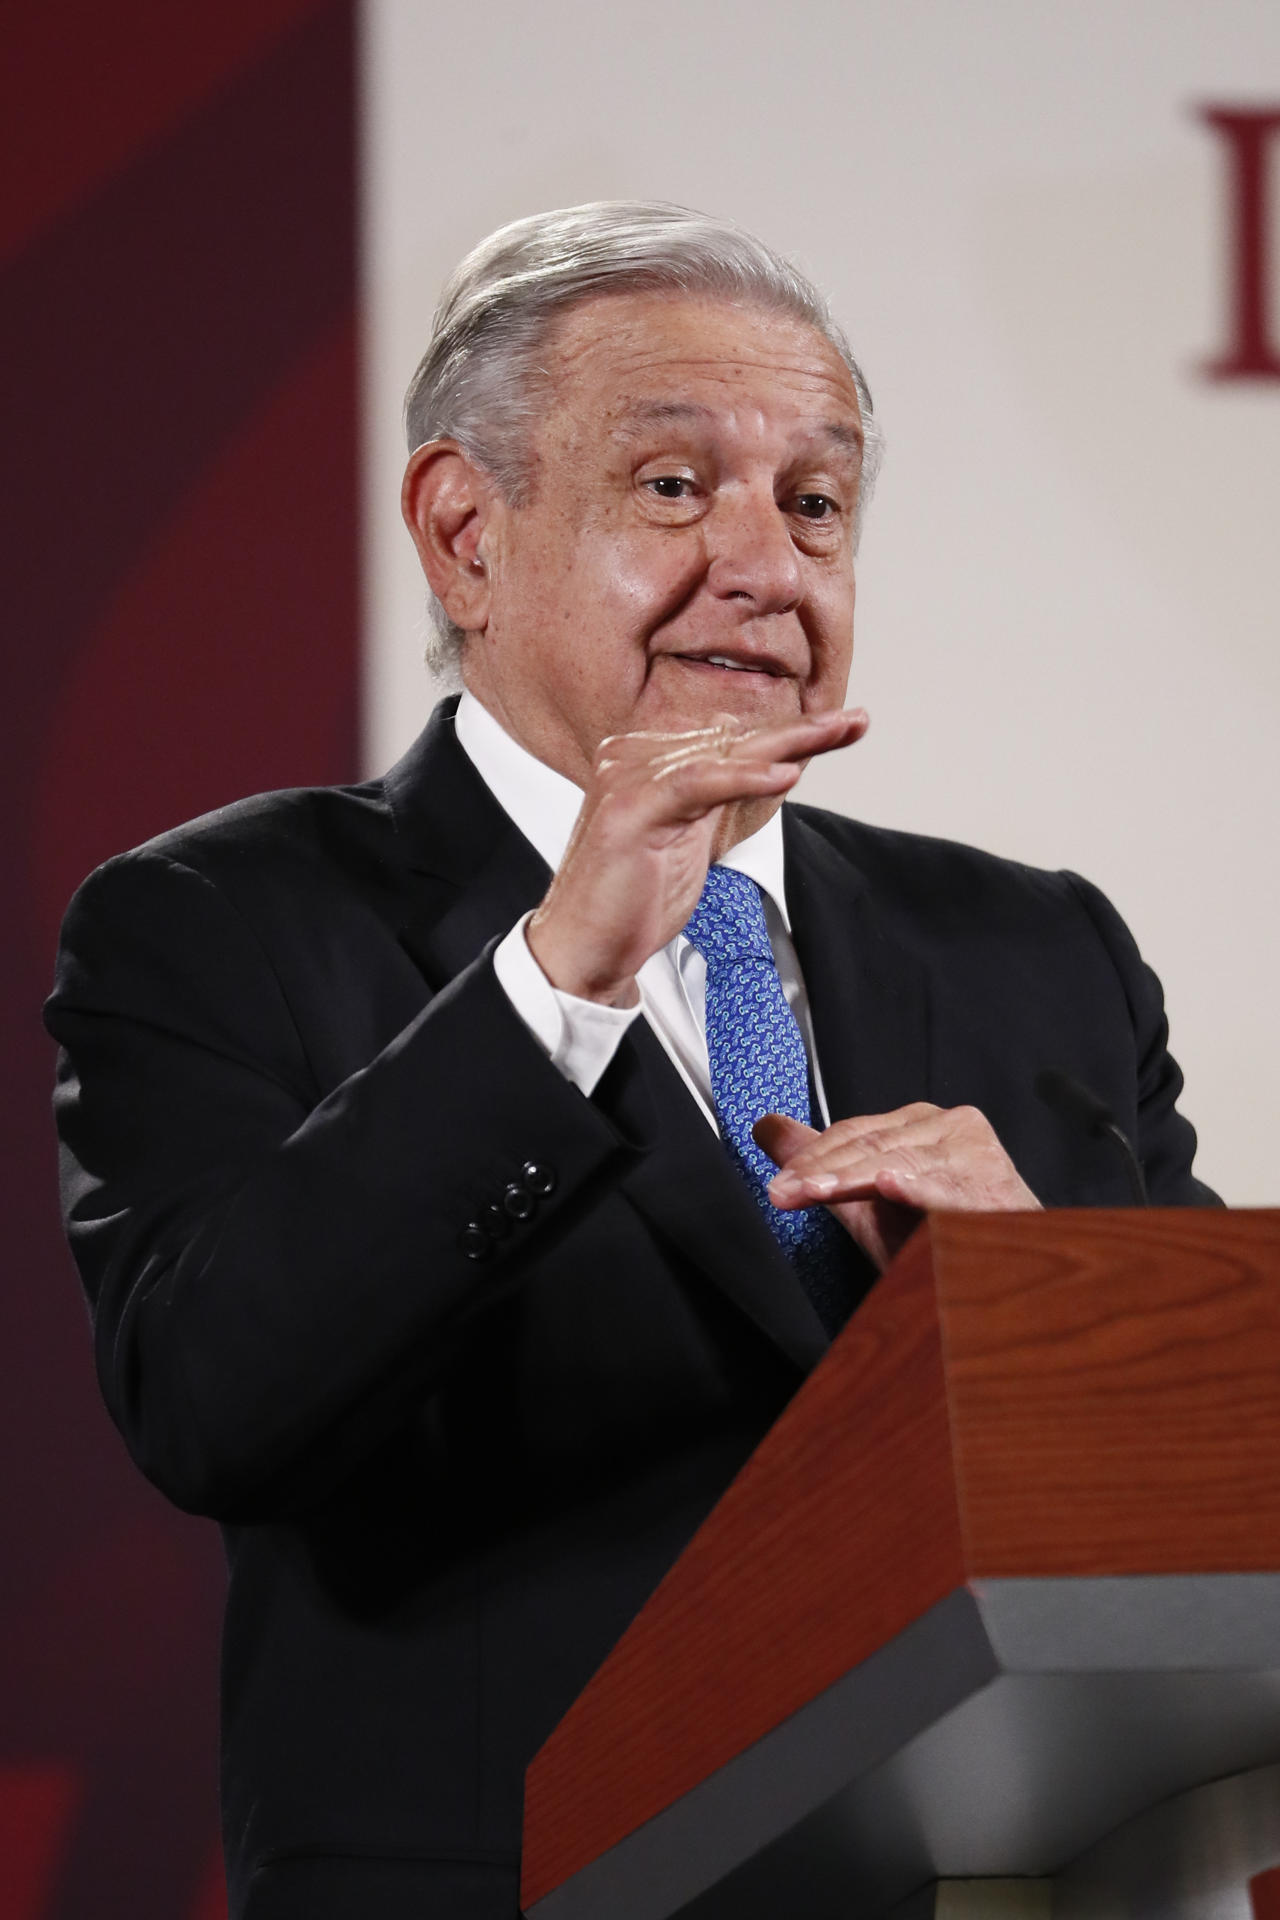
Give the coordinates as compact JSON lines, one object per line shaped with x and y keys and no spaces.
{"x":815,"y":506}
{"x":671,"y":486}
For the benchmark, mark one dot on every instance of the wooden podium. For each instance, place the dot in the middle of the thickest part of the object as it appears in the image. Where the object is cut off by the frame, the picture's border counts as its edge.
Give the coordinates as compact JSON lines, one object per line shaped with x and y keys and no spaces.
{"x":1004,"y":1574}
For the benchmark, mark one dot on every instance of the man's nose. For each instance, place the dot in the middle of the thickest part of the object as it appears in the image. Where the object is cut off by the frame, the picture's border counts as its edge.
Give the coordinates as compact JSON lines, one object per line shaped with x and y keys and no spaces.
{"x":752,"y":555}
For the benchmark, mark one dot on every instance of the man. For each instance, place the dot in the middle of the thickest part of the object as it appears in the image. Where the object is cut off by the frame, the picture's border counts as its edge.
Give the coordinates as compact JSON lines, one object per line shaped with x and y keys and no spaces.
{"x":391,"y":1113}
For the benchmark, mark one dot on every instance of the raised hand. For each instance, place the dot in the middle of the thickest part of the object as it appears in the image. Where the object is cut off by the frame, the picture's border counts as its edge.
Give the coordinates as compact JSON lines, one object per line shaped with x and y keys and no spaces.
{"x":658,"y":809}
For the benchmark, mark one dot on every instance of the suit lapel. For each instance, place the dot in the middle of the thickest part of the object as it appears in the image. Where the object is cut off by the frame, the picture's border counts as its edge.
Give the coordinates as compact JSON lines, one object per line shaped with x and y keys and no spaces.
{"x":868,"y":994}
{"x":472,"y":871}
{"x":472,"y":875}
{"x":448,"y":924}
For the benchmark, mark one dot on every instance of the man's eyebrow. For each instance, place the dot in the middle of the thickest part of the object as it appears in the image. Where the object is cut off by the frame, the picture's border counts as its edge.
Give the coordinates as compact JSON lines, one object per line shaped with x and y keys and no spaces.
{"x":659,"y":413}
{"x":850,"y":438}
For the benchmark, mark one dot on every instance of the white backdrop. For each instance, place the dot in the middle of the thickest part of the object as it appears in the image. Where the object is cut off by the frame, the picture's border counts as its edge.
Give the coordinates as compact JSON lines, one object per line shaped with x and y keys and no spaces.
{"x":1068,"y":586}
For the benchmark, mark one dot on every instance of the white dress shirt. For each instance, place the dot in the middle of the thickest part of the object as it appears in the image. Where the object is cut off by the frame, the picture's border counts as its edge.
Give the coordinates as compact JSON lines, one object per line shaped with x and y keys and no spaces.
{"x":581,"y":1036}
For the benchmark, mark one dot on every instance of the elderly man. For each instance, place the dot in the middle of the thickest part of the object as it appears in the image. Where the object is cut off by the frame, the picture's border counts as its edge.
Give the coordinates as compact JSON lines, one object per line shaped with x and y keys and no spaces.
{"x":466,"y":1167}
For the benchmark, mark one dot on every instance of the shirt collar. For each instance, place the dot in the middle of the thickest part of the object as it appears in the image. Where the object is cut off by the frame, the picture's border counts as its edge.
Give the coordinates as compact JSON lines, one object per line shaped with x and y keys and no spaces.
{"x":544,"y":805}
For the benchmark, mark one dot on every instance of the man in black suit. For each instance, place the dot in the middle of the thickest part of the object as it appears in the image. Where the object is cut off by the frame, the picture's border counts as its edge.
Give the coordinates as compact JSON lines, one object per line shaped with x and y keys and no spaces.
{"x":389,"y":1113}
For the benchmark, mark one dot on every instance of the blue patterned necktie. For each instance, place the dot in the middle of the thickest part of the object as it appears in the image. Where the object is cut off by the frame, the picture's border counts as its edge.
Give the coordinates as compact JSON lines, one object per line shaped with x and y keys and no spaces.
{"x":758,"y":1065}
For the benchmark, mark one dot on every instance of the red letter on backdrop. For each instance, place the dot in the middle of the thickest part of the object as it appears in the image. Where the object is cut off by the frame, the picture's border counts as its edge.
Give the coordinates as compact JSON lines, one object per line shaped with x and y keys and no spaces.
{"x":1248,"y":133}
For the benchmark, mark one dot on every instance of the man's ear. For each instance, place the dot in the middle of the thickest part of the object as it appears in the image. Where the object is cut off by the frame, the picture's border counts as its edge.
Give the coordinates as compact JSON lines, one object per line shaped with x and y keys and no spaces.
{"x":446,"y":502}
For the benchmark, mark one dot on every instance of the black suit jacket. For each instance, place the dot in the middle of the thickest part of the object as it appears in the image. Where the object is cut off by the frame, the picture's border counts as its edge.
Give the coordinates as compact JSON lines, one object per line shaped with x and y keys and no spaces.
{"x":289,"y":1081}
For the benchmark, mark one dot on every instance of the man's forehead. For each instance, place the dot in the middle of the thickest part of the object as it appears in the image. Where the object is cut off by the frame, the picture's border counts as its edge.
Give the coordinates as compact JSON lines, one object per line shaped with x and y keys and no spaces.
{"x":635,"y":419}
{"x":653,"y":358}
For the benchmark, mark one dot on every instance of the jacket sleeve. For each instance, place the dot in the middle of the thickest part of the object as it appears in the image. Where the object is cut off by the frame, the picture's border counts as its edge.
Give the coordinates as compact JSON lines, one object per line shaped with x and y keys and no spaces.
{"x":1165,"y":1140}
{"x":276,"y":1277}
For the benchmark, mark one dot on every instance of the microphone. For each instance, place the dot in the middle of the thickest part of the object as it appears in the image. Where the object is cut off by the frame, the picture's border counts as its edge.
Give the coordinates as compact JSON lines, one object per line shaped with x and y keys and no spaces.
{"x":1073,"y":1102}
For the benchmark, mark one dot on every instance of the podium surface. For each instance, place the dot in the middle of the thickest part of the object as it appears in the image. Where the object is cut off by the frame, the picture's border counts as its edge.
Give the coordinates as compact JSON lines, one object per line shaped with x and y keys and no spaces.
{"x":1005,"y":1573}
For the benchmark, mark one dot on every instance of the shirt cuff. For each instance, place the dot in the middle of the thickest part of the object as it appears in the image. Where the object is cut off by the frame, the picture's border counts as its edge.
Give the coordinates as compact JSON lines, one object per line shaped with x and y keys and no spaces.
{"x":579,"y":1036}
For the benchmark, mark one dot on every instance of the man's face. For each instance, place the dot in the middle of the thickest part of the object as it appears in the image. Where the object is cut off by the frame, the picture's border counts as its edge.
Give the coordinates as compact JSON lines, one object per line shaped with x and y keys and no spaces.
{"x":687,"y":546}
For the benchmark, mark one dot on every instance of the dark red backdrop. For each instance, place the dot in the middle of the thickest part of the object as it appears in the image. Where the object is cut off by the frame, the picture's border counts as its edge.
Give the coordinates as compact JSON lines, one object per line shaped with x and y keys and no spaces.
{"x":177,"y":224}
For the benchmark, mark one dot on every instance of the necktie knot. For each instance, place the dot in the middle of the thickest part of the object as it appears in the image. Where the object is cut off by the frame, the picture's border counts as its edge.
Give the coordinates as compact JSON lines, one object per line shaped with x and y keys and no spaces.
{"x":728,"y":925}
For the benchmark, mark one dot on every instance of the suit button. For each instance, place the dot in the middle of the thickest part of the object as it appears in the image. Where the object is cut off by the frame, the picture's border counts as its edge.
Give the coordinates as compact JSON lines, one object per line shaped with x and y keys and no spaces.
{"x":494,"y":1221}
{"x":539,"y":1180}
{"x":475,"y":1242}
{"x":518,"y":1201}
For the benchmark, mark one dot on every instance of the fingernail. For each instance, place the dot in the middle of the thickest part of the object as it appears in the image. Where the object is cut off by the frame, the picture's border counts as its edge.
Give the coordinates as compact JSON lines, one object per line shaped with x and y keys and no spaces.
{"x":822,"y":1183}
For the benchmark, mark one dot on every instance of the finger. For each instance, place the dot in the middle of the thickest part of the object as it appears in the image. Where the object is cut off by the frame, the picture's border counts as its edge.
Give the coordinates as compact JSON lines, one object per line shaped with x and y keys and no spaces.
{"x":797,"y":739}
{"x":690,"y":788}
{"x":796,"y":1185}
{"x":916,"y":1129}
{"x":802,"y":738}
{"x":650,"y":748}
{"x":857,"y":1172}
{"x":643,"y":748}
{"x":851,"y":1146}
{"x":779,"y":1135}
{"x":939,"y":1186}
{"x":683,"y":787}
{"x":665,"y":758}
{"x":840,"y":1161}
{"x":791,"y":1191}
{"x":905,"y":1188}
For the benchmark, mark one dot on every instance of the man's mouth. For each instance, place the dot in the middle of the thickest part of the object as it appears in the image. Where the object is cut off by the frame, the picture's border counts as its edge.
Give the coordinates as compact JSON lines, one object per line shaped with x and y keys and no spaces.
{"x":729,"y":664}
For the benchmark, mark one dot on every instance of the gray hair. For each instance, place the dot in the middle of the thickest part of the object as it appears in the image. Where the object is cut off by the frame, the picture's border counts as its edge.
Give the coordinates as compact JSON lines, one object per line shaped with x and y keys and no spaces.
{"x":479,"y":381}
